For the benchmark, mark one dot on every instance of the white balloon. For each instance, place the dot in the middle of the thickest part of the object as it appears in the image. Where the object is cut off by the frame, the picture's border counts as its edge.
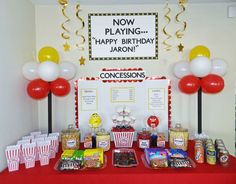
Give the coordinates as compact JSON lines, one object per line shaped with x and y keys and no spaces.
{"x":200,"y":66}
{"x":67,"y":70}
{"x":30,"y":70}
{"x":182,"y":69}
{"x":219,"y":67}
{"x":48,"y":71}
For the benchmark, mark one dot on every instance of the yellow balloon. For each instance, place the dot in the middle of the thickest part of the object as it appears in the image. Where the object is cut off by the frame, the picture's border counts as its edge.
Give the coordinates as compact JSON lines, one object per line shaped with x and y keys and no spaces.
{"x":199,"y":50}
{"x":95,"y":120}
{"x":48,"y":54}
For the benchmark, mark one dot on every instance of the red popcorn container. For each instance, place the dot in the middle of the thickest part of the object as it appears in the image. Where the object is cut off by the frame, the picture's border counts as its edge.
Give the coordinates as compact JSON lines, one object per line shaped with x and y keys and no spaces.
{"x":123,"y":139}
{"x":44,"y":152}
{"x":29,"y":154}
{"x":13,"y":157}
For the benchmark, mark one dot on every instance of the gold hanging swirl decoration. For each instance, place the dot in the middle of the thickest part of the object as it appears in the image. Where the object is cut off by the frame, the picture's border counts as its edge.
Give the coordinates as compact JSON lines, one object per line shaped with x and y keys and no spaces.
{"x":180,"y":33}
{"x":66,"y":33}
{"x":168,"y":36}
{"x":77,"y":32}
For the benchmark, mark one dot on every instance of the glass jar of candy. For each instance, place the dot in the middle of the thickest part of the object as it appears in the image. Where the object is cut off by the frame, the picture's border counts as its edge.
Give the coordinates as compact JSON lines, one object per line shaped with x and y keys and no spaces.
{"x":70,"y":138}
{"x":103,"y":140}
{"x":144,"y":139}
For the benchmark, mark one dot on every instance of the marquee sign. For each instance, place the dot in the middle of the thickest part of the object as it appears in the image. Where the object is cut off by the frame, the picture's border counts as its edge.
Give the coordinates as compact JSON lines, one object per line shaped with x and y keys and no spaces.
{"x":123,"y":36}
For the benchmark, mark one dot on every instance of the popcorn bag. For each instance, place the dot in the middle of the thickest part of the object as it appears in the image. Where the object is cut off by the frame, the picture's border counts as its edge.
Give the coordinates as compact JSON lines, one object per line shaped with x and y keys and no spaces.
{"x":20,"y":142}
{"x":54,"y":143}
{"x":35,"y":133}
{"x":36,"y":140}
{"x":29,"y":154}
{"x":13,"y":157}
{"x":44,"y":152}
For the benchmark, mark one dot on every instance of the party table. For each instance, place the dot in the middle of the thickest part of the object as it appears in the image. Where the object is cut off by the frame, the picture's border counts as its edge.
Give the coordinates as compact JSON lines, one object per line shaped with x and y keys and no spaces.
{"x":203,"y":173}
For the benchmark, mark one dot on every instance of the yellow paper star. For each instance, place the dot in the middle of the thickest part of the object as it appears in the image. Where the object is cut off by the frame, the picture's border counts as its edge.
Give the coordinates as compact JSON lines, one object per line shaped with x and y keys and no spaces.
{"x":180,"y":47}
{"x":82,"y":60}
{"x":66,"y":47}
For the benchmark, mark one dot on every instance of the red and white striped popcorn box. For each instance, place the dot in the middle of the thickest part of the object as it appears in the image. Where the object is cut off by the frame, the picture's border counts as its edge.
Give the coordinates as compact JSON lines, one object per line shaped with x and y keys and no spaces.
{"x":41,"y":135}
{"x":123,"y":139}
{"x":36,"y":140}
{"x":54,"y":142}
{"x":29,"y":154}
{"x":44,"y":152}
{"x":35,"y":133}
{"x":30,"y":137}
{"x":55,"y":134}
{"x":20,"y":142}
{"x":13,"y":157}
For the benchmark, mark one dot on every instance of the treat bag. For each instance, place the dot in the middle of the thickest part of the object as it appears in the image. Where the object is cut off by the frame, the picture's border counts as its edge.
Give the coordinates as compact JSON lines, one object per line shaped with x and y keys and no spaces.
{"x":53,"y":145}
{"x":20,"y":142}
{"x":13,"y":157}
{"x":44,"y":152}
{"x":36,"y":140}
{"x":29,"y":154}
{"x":35,"y":133}
{"x":28,"y":137}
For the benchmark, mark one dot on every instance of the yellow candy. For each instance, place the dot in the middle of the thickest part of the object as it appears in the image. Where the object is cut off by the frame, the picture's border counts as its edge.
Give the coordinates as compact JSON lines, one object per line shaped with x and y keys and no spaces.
{"x":95,"y":120}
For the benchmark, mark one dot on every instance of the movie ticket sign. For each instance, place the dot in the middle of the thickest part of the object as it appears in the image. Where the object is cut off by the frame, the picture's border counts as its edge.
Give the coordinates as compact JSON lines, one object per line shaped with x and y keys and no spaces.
{"x":123,"y":36}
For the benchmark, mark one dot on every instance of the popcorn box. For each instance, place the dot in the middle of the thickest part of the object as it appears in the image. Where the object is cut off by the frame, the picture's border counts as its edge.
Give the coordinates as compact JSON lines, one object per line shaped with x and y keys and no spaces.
{"x":20,"y":142}
{"x":123,"y":139}
{"x":29,"y":154}
{"x":30,"y":137}
{"x":54,"y":144}
{"x":44,"y":152}
{"x":35,"y":133}
{"x":13,"y":157}
{"x":36,"y":140}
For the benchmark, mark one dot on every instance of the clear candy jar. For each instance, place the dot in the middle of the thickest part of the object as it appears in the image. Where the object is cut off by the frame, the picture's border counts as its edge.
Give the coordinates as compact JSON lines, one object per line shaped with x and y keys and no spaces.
{"x":70,"y":138}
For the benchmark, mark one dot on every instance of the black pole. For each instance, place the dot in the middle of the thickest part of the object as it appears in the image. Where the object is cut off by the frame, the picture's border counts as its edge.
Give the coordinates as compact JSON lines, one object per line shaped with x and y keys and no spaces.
{"x":199,"y":100}
{"x":49,"y":112}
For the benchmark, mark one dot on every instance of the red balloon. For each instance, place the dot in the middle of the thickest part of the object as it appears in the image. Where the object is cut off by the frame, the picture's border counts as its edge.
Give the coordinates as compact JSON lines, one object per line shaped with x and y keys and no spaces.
{"x":38,"y":89}
{"x":212,"y":83}
{"x":60,"y":87}
{"x":189,"y":84}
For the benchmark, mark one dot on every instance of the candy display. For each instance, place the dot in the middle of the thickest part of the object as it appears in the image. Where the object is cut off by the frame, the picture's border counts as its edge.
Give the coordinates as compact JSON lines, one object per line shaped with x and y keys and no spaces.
{"x":93,"y":158}
{"x":178,"y":137}
{"x":123,"y":132}
{"x":103,"y":140}
{"x":124,"y":158}
{"x":144,"y":139}
{"x":70,"y":138}
{"x":156,"y":157}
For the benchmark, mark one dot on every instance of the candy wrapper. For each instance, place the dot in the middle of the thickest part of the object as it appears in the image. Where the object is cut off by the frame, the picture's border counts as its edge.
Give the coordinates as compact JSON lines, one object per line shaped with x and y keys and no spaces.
{"x":44,"y":152}
{"x":20,"y":142}
{"x":124,"y":158}
{"x":29,"y":154}
{"x":54,"y":143}
{"x":181,"y":163}
{"x":176,"y":153}
{"x":13,"y":157}
{"x":93,"y":158}
{"x":156,"y":157}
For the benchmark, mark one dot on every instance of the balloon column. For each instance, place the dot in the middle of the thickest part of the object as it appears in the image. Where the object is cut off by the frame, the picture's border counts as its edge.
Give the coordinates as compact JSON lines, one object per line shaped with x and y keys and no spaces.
{"x":201,"y":74}
{"x":48,"y":75}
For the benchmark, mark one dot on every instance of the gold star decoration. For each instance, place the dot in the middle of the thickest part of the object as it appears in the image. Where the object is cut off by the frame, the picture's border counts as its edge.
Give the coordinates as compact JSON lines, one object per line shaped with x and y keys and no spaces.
{"x":82,"y":60}
{"x":66,"y":47}
{"x":180,"y":47}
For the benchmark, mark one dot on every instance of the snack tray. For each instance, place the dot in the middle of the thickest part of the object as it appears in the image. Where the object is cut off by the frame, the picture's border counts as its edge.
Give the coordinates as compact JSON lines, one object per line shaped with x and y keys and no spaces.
{"x":134,"y":160}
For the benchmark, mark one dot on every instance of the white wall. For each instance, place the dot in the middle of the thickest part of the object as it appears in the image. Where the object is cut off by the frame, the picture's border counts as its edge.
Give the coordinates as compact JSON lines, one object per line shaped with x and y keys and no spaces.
{"x":18,"y":113}
{"x":207,"y":24}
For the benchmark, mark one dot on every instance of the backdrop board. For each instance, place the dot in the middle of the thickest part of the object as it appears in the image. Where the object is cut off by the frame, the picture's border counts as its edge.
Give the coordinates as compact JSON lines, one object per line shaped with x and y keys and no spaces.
{"x":149,"y":97}
{"x":123,"y":36}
